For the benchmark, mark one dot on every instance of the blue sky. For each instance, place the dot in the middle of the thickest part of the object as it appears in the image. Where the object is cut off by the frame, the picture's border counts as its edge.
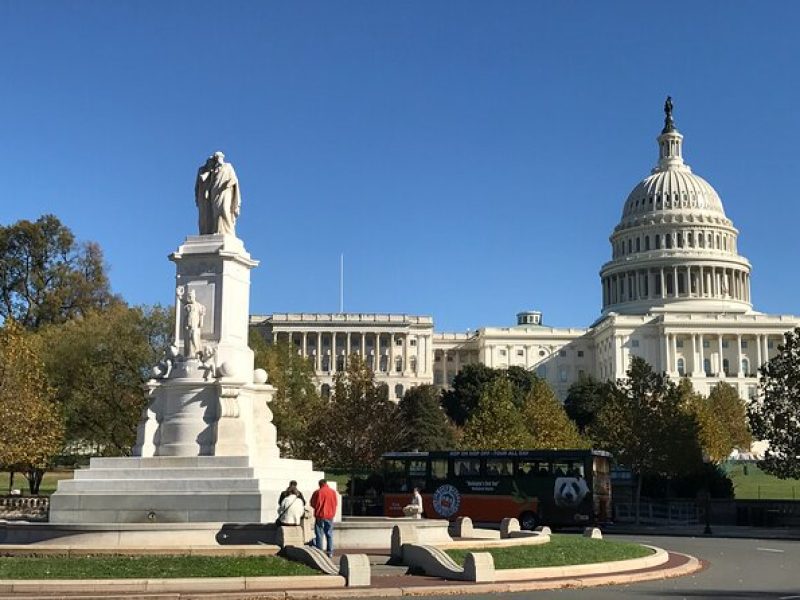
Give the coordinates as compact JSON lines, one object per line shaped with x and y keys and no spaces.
{"x":469,"y":159}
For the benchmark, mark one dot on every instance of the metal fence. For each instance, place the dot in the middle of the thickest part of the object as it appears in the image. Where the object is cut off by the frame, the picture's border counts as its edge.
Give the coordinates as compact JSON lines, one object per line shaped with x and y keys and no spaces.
{"x":29,"y":508}
{"x":659,"y":512}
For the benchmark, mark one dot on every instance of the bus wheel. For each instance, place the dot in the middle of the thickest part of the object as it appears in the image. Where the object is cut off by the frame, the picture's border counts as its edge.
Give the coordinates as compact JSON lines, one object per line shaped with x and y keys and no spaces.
{"x":528,"y":520}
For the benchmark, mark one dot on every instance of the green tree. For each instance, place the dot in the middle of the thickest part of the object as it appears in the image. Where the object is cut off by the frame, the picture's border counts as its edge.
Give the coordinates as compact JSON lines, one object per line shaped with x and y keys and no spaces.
{"x":774,"y":415}
{"x":97,"y":365}
{"x":31,"y":426}
{"x":584,"y":400}
{"x":647,"y":426}
{"x":46,"y":276}
{"x":360,"y":423}
{"x":427,"y":426}
{"x":522,"y":382}
{"x":496,"y":423}
{"x":547,"y":421}
{"x":461,"y":400}
{"x":297,"y":406}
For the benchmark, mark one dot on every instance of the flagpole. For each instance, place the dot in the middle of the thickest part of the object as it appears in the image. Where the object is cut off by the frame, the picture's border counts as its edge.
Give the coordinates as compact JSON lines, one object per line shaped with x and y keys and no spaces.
{"x":341,"y":282}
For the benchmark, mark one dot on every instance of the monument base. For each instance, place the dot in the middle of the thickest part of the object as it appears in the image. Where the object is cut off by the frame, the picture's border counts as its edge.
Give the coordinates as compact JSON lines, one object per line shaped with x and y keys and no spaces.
{"x":179,"y":489}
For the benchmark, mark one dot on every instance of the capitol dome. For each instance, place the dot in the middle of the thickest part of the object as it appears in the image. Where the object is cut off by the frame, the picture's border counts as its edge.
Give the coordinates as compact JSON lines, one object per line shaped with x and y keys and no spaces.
{"x":674,"y":249}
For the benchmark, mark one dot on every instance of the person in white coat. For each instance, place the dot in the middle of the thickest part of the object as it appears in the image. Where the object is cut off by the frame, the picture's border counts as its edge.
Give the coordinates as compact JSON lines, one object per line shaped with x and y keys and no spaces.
{"x":291,"y":509}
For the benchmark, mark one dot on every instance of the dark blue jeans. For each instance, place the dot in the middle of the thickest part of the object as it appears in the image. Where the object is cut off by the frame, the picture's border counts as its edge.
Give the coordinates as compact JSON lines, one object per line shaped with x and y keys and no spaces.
{"x":324,"y":526}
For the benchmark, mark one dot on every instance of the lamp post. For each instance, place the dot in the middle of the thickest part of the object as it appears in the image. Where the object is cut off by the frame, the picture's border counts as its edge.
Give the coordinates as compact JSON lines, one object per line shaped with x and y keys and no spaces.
{"x":706,"y":463}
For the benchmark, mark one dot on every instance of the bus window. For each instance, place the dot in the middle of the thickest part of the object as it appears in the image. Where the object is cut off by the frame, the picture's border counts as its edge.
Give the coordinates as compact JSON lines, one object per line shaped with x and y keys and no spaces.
{"x":576,"y":470}
{"x":467,"y":468}
{"x":527,"y":467}
{"x":439,"y":469}
{"x":395,"y":476}
{"x":560,"y":469}
{"x":542,"y":469}
{"x":417,"y":468}
{"x":498,"y":467}
{"x":417,"y":473}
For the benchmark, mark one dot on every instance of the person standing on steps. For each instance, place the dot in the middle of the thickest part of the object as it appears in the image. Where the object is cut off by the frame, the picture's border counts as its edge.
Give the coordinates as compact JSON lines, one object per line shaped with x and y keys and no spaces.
{"x":324,"y":502}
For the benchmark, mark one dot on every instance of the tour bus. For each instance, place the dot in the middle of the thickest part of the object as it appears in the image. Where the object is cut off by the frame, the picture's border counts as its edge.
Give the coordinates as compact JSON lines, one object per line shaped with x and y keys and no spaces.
{"x":539,"y":487}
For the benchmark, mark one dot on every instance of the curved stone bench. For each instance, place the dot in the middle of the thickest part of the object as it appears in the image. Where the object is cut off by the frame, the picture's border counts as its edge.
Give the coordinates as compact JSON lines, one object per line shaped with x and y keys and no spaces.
{"x":478,"y":566}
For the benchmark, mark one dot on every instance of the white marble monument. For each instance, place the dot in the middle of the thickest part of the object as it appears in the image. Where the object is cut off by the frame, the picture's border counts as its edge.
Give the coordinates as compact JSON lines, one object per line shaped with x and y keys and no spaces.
{"x":206,"y":447}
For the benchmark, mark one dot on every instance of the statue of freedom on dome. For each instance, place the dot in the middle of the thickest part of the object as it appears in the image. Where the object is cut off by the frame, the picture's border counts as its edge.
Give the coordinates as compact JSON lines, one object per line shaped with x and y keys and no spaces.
{"x":217,"y":196}
{"x":669,"y":124}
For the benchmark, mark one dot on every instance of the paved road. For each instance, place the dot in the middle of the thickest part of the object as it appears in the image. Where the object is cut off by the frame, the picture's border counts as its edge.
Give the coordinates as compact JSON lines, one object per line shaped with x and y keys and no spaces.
{"x":739,"y":569}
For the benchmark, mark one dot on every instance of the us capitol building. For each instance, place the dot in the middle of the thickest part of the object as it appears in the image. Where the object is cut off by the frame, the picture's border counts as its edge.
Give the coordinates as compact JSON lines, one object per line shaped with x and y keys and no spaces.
{"x":676,"y":292}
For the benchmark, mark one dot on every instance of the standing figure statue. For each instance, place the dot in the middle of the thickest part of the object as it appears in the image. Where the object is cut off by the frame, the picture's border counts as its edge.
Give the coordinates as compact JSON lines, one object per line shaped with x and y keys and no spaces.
{"x":217,"y":196}
{"x":193,"y":313}
{"x":669,"y":123}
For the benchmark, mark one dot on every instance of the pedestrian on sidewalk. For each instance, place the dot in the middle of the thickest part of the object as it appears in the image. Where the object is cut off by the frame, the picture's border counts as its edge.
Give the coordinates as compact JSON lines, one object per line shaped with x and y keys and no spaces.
{"x":324,"y":503}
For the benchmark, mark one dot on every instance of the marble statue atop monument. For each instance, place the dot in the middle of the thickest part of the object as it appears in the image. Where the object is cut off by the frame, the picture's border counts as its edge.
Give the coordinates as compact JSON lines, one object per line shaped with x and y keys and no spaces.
{"x":217,"y":195}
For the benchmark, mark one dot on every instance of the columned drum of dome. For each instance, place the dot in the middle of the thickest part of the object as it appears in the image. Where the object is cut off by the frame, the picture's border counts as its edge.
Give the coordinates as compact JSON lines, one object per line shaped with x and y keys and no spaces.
{"x":674,"y":249}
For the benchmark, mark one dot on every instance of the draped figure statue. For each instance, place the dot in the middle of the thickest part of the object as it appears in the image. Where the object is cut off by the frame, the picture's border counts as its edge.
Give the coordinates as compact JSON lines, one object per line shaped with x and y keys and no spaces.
{"x":217,"y":196}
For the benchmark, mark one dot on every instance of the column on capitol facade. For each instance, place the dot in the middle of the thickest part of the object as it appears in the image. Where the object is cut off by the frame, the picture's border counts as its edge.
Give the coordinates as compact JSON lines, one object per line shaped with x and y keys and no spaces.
{"x":702,"y":357}
{"x":405,"y":355}
{"x":391,"y":368}
{"x":738,"y":369}
{"x":673,"y":367}
{"x":363,"y":345}
{"x":759,"y":356}
{"x":674,"y":282}
{"x":332,"y":366}
{"x":318,"y":358}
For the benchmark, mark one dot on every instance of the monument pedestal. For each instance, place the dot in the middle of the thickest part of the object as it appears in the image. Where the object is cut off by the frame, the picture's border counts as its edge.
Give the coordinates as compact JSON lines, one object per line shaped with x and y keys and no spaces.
{"x":178,"y":489}
{"x":206,"y":448}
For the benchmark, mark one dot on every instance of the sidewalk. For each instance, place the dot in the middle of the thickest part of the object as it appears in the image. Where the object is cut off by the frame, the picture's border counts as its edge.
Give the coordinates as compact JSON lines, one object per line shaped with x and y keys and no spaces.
{"x":720,"y":531}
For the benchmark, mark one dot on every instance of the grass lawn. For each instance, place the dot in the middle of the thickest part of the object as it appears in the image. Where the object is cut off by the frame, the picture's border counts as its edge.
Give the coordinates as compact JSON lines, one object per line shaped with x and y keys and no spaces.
{"x":50,"y":481}
{"x":757,"y":485}
{"x":563,"y":549}
{"x":130,"y":567}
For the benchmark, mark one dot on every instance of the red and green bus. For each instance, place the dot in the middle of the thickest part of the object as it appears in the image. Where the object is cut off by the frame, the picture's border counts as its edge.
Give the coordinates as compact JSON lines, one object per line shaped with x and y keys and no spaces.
{"x":558,"y":488}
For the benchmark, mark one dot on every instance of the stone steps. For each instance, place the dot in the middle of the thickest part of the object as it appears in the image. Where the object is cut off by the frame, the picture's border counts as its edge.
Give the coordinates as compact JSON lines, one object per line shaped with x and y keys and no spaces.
{"x":165,"y":473}
{"x":163,"y":462}
{"x":153,"y":484}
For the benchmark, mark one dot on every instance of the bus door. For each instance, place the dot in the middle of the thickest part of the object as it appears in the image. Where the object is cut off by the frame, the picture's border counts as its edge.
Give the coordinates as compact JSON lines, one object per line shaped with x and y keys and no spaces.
{"x":396,"y":491}
{"x":601,"y":488}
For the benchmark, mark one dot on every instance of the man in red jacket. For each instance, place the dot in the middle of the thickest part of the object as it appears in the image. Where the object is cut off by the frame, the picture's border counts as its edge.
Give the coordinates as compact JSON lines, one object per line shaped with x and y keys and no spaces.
{"x":324,"y":502}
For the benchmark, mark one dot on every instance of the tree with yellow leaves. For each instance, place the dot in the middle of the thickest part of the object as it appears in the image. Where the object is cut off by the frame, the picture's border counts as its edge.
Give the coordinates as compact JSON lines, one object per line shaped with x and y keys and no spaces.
{"x":496,"y":423}
{"x":31,"y":427}
{"x":547,"y":421}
